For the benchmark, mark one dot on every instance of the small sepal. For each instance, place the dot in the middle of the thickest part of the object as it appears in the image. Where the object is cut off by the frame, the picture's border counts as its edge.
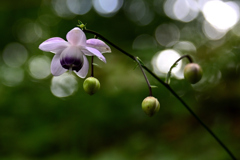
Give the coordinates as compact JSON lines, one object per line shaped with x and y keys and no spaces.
{"x":193,"y":73}
{"x":91,"y":85}
{"x":150,"y":106}
{"x":82,"y":25}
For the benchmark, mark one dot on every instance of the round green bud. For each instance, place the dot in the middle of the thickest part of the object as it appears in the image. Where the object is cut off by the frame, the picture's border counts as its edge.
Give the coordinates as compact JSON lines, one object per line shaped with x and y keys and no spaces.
{"x":193,"y":73}
{"x":91,"y":85}
{"x":82,"y":26}
{"x":150,"y":106}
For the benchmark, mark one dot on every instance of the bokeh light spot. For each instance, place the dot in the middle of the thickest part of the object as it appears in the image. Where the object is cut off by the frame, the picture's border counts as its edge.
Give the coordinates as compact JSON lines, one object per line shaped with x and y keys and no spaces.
{"x":139,"y":12}
{"x":61,"y":9}
{"x":144,"y":41}
{"x":211,"y":32}
{"x":28,"y":32}
{"x":163,"y":61}
{"x":11,"y":76}
{"x":64,"y":85}
{"x":183,"y":10}
{"x":168,"y":8}
{"x":79,"y":7}
{"x":15,"y":54}
{"x":167,"y":34}
{"x":221,"y":15}
{"x":39,"y":67}
{"x":185,"y":46}
{"x":107,"y":7}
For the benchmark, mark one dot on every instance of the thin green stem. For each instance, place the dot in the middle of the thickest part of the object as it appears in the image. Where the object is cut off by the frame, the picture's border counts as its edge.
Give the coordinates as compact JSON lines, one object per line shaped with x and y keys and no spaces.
{"x":92,"y":67}
{"x":92,"y":63}
{"x":175,"y":64}
{"x":112,"y":44}
{"x":148,"y":83}
{"x":194,"y":115}
{"x":170,"y":89}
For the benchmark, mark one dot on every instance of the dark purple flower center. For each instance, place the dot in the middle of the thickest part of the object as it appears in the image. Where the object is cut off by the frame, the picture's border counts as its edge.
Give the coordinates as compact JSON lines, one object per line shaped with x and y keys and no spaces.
{"x":71,"y":63}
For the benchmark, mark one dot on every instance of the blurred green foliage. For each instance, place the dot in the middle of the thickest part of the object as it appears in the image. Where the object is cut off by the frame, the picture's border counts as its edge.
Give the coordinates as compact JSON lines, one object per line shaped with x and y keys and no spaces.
{"x":35,"y":124}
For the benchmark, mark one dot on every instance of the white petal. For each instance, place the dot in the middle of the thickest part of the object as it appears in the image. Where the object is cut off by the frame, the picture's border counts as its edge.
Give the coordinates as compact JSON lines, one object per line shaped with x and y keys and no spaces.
{"x":56,"y":67}
{"x":92,"y":51}
{"x":76,"y":37}
{"x":54,"y":45}
{"x":99,"y":45}
{"x":72,"y":52}
{"x":82,"y":73}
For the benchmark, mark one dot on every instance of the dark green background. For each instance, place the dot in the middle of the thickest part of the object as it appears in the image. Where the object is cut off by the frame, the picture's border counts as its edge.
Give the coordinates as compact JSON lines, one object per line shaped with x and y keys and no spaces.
{"x":34,"y":124}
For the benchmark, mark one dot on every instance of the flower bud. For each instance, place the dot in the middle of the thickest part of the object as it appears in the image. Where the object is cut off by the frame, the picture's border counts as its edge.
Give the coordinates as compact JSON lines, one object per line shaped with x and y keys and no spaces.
{"x":193,"y":73}
{"x":91,"y":85}
{"x":82,"y":26}
{"x":150,"y":106}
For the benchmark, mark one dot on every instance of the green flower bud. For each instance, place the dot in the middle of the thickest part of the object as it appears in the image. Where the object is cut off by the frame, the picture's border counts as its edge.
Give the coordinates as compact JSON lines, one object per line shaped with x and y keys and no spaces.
{"x":91,"y":85}
{"x":150,"y":106}
{"x":82,"y":26}
{"x":193,"y":73}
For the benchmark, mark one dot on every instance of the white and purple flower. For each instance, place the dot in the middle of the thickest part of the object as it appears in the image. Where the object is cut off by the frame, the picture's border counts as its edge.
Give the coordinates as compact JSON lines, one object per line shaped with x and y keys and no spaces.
{"x":71,"y":54}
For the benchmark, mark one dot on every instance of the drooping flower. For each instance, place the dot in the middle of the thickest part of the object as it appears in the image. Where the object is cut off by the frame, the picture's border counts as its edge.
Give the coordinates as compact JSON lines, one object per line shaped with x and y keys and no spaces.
{"x":71,"y":54}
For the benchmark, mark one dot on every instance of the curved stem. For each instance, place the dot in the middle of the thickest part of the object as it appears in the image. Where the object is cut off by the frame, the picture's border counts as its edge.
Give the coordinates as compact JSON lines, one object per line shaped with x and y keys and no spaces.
{"x":194,"y":115}
{"x":170,"y":89}
{"x":148,"y":83}
{"x":174,"y":65}
{"x":106,"y":40}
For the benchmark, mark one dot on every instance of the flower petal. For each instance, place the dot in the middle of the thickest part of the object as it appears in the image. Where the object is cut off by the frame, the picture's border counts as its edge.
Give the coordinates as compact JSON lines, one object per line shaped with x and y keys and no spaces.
{"x":72,"y":57}
{"x":54,"y":45}
{"x":72,"y":53}
{"x":56,"y":67}
{"x":99,"y":45}
{"x":93,"y":52}
{"x":76,"y":37}
{"x":82,"y":73}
